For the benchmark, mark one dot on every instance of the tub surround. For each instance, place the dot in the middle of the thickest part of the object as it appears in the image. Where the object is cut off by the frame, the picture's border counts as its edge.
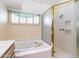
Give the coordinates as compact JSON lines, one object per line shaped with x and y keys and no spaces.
{"x":7,"y":49}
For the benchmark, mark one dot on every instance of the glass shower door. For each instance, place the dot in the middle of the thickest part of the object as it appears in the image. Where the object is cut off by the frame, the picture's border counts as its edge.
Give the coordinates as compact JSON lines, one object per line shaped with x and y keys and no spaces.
{"x":65,"y":34}
{"x":47,"y":22}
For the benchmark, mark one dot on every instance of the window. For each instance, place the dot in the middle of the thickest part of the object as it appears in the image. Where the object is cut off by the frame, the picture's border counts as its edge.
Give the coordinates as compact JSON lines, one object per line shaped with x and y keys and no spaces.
{"x":36,"y":20}
{"x":24,"y":18}
{"x":29,"y":20}
{"x":14,"y":17}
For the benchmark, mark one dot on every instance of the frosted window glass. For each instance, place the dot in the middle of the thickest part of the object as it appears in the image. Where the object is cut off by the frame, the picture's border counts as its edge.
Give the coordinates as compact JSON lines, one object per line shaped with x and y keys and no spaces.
{"x":23,"y":20}
{"x":15,"y":18}
{"x":36,"y":20}
{"x":48,"y":20}
{"x":29,"y":20}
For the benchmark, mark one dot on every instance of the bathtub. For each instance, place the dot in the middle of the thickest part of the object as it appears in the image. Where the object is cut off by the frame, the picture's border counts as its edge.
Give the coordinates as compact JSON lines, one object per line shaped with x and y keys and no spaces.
{"x":32,"y":49}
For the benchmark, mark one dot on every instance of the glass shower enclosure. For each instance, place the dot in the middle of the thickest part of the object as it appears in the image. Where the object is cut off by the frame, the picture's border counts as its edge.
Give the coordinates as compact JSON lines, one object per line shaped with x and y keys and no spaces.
{"x":66,"y":29}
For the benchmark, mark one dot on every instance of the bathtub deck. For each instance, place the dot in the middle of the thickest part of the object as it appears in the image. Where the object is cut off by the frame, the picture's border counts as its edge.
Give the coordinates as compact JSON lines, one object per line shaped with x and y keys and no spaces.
{"x":39,"y":52}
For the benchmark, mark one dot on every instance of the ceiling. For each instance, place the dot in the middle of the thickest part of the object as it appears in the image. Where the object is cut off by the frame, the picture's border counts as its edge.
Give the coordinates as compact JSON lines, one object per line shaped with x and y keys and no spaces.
{"x":30,"y":6}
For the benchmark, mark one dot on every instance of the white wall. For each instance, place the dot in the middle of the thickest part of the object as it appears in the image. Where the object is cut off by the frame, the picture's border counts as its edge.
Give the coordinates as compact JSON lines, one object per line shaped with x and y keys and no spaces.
{"x":34,"y":7}
{"x":3,"y":22}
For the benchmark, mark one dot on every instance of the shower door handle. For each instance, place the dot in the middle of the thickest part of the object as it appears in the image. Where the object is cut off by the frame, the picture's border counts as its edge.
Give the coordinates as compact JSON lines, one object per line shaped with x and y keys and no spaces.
{"x":61,"y":29}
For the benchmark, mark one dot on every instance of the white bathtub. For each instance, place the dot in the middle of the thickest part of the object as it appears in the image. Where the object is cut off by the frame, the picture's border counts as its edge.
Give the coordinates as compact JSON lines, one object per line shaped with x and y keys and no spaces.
{"x":32,"y":49}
